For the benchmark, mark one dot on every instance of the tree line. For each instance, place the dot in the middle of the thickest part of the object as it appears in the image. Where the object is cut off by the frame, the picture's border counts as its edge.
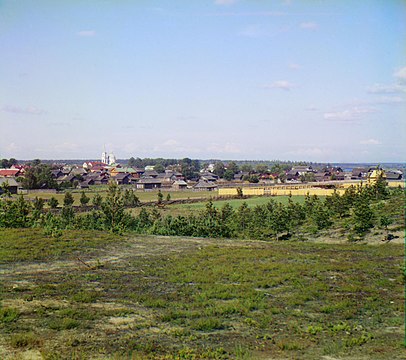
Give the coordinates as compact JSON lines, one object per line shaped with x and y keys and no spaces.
{"x":273,"y":220}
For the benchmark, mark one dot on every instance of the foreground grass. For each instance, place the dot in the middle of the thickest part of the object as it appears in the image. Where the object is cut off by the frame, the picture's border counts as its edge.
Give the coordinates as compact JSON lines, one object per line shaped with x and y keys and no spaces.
{"x":175,"y":298}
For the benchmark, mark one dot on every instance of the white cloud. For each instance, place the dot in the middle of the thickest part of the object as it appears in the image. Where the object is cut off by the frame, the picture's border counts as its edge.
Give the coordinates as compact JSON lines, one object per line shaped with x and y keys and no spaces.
{"x":386,"y":89}
{"x":280,"y":84}
{"x":86,"y":33}
{"x":389,"y":100}
{"x":400,"y":75}
{"x":29,"y":110}
{"x":224,"y":2}
{"x":311,"y":108}
{"x":349,"y":114}
{"x":370,"y":142}
{"x":309,"y":25}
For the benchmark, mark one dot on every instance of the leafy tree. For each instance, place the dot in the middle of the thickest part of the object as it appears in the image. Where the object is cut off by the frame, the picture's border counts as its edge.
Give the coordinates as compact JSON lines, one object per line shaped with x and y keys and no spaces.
{"x":168,"y":197}
{"x":159,"y":168}
{"x":246,"y":168}
{"x":219,"y":169}
{"x":232,"y":166}
{"x":68,"y":199}
{"x":307,"y":177}
{"x":228,"y":175}
{"x":132,"y":162}
{"x":39,"y":177}
{"x":253,"y":179}
{"x":190,"y":168}
{"x":4,"y":163}
{"x":84,"y":199}
{"x":261,"y":168}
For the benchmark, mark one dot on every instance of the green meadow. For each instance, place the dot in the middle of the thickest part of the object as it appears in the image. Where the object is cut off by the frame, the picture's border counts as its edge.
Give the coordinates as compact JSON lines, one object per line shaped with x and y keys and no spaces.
{"x":96,"y":295}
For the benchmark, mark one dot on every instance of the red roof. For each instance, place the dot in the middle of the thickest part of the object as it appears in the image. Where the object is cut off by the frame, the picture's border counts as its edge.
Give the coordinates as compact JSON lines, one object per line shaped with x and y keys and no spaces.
{"x":9,"y":172}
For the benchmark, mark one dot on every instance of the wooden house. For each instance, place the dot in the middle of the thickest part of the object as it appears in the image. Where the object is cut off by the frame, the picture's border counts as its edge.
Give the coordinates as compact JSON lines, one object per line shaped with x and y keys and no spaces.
{"x":12,"y":185}
{"x":148,"y":184}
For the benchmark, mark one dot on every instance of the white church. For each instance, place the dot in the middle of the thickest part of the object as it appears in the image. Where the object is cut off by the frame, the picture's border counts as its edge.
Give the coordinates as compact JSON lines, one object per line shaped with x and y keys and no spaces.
{"x":108,"y":159}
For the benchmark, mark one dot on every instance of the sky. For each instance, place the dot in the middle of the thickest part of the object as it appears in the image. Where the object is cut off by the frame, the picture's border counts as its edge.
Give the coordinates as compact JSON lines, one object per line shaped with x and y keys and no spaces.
{"x":321,"y":81}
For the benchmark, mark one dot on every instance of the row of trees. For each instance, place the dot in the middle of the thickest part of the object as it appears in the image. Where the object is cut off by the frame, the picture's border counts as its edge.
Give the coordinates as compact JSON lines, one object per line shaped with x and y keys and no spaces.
{"x":272,"y":220}
{"x":190,"y":168}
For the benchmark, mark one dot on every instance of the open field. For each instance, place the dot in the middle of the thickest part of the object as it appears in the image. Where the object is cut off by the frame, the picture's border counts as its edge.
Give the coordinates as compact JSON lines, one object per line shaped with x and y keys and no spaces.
{"x":187,"y":209}
{"x":144,"y":196}
{"x":96,"y":295}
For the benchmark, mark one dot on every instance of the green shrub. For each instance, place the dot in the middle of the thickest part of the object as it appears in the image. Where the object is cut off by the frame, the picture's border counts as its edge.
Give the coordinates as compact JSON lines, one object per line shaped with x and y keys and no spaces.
{"x":24,"y":340}
{"x":208,"y":324}
{"x":8,"y":315}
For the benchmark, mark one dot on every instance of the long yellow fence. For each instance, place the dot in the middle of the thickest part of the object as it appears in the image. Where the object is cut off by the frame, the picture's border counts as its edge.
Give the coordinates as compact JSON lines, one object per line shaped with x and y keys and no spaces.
{"x":295,"y":189}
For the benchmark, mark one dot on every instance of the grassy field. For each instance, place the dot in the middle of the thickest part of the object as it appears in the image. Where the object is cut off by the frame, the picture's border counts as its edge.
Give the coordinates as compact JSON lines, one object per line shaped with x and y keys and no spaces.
{"x":144,"y":196}
{"x":186,"y":209}
{"x":96,"y":295}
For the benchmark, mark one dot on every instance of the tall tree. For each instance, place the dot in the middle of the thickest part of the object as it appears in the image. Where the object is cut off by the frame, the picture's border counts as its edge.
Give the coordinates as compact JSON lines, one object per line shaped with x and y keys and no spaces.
{"x":113,"y":207}
{"x":68,"y":199}
{"x":232,"y":166}
{"x":219,"y":169}
{"x":39,"y":177}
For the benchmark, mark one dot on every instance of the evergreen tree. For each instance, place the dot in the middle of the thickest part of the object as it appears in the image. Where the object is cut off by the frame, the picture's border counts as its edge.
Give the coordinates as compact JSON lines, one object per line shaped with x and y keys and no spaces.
{"x":363,"y":215}
{"x":84,"y":199}
{"x":160,"y":197}
{"x":113,"y":207}
{"x":97,"y":201}
{"x":68,"y":199}
{"x":53,"y":203}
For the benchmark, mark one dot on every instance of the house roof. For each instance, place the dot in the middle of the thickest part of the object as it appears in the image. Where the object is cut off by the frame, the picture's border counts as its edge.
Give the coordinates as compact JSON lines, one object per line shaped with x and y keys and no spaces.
{"x":151,"y":173}
{"x":10,"y":181}
{"x":128,"y":170}
{"x":122,"y":176}
{"x":9,"y":172}
{"x":148,"y":181}
{"x":180,"y":183}
{"x":204,"y":185}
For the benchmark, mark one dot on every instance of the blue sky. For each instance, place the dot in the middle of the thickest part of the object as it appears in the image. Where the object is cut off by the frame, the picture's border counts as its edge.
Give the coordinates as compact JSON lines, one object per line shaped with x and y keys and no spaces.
{"x":228,"y":79}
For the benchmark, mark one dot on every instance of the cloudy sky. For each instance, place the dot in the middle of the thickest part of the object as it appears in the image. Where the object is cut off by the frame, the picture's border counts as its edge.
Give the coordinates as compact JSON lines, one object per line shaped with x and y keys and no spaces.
{"x":227,"y":79}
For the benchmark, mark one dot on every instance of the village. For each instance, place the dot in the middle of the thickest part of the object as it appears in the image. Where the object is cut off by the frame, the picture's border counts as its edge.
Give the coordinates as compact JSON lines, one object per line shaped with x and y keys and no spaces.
{"x":218,"y":176}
